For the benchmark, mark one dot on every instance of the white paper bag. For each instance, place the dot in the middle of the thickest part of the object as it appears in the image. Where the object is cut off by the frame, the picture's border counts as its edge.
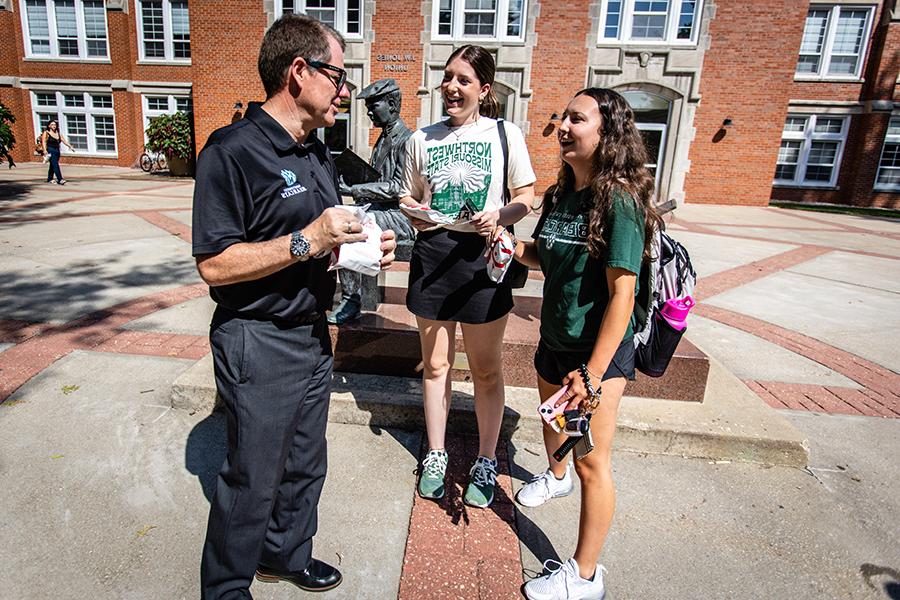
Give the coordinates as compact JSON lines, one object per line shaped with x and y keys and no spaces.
{"x":363,"y":257}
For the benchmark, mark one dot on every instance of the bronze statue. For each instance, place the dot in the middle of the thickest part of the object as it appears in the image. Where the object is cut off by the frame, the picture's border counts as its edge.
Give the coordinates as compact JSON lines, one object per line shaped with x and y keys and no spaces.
{"x":389,"y":159}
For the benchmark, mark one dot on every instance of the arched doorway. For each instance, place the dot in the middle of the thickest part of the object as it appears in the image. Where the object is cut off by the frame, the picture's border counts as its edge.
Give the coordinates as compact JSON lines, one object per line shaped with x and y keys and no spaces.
{"x":651,"y":115}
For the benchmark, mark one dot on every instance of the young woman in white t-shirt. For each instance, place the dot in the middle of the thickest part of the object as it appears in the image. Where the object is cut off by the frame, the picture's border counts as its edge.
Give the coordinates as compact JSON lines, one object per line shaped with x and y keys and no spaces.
{"x":453,"y":165}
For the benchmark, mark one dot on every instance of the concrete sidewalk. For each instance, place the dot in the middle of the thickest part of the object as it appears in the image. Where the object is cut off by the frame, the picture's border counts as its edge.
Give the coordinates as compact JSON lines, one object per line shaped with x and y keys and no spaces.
{"x":107,"y":492}
{"x":107,"y":485}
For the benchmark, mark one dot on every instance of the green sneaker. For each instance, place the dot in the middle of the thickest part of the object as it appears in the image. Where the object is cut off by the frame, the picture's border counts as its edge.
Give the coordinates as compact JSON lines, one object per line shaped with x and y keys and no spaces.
{"x":434,"y":467}
{"x":482,"y":479}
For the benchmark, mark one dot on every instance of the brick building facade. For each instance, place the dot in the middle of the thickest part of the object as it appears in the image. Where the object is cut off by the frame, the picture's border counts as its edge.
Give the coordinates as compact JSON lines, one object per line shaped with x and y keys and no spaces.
{"x":739,"y":102}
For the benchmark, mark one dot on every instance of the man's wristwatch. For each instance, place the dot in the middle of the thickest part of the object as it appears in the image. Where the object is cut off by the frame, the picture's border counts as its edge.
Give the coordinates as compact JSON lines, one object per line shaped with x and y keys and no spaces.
{"x":299,"y":245}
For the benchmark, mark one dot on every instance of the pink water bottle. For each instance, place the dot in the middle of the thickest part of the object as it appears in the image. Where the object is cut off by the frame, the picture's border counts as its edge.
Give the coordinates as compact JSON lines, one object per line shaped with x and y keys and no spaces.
{"x":675,"y":312}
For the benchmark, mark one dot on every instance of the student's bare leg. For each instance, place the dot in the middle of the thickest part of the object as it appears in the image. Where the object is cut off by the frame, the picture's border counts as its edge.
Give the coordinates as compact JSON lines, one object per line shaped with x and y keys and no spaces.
{"x":598,"y":493}
{"x":438,"y":339}
{"x":484,"y":344}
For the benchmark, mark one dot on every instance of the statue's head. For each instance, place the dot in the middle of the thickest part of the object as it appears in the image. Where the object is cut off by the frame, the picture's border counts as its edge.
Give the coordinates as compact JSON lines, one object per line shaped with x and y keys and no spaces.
{"x":382,"y":101}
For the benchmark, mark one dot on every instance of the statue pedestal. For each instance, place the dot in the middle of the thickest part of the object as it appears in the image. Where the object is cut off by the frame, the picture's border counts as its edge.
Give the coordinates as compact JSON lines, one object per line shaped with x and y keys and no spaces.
{"x":371,"y":293}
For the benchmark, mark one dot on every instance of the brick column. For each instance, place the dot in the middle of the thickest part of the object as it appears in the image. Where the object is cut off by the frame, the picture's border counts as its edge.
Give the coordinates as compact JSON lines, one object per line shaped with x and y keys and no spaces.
{"x":225,"y":39}
{"x":559,"y":70}
{"x":748,"y":73}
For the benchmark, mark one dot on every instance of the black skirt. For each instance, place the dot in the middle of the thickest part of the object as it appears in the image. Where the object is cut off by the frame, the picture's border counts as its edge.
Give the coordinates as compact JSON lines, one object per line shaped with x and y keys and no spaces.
{"x":448,"y":280}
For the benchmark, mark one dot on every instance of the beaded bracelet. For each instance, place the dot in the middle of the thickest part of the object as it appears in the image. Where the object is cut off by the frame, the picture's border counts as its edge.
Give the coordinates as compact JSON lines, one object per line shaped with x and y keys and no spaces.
{"x":586,"y":378}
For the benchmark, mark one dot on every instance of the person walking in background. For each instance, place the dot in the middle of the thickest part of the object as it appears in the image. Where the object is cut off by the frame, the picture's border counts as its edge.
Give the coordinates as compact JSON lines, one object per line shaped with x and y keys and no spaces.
{"x":594,"y":232}
{"x":50,"y":141}
{"x":451,"y":165}
{"x":265,"y":222}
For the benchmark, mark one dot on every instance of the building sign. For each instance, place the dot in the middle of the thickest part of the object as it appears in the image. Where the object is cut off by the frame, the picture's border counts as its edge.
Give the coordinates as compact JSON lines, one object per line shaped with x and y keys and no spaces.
{"x":395,"y":63}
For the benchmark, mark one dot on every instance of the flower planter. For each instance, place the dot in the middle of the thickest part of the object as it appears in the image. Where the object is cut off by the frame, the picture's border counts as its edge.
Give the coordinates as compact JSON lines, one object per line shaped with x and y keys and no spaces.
{"x":180,"y":167}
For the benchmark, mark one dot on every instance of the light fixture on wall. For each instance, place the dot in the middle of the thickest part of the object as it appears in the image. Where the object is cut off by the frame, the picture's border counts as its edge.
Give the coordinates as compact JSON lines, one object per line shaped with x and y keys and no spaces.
{"x":554,"y":117}
{"x":727,"y":122}
{"x":238,"y":105}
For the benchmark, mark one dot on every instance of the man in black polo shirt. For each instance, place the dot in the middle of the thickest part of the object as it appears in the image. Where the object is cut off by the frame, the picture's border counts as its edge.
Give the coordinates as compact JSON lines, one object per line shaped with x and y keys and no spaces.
{"x":264,"y":224}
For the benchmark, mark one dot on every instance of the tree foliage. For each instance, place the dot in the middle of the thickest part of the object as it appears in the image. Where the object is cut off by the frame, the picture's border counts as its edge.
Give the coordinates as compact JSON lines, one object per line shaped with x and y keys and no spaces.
{"x":7,"y":138}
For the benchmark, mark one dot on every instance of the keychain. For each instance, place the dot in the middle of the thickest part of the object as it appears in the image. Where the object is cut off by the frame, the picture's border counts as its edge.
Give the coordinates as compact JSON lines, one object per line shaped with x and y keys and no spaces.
{"x":578,"y":427}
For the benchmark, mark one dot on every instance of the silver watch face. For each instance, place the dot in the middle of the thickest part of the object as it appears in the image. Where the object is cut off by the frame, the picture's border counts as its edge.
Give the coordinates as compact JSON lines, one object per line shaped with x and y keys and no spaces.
{"x":299,"y":245}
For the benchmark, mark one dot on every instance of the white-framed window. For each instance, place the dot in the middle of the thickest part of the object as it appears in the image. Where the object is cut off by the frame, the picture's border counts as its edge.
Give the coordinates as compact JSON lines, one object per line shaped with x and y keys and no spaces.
{"x":834,"y":42}
{"x":86,"y":119}
{"x":164,"y":30}
{"x":888,"y":177}
{"x":344,"y":15}
{"x":650,"y":21}
{"x":811,"y":149}
{"x":155,"y":105}
{"x":478,"y":19}
{"x":338,"y":137}
{"x":65,"y":29}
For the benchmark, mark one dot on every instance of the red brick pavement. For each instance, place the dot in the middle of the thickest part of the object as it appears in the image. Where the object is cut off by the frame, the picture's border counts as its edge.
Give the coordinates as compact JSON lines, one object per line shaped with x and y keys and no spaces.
{"x":42,"y":344}
{"x":173,"y":226}
{"x":38,"y":345}
{"x":708,"y":229}
{"x":105,"y":213}
{"x":744,"y":274}
{"x":880,"y":395}
{"x":456,"y":552}
{"x":824,"y":399}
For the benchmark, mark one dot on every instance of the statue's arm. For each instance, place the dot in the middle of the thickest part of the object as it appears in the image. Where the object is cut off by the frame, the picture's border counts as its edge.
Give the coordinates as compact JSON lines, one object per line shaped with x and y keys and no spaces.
{"x":388,"y":189}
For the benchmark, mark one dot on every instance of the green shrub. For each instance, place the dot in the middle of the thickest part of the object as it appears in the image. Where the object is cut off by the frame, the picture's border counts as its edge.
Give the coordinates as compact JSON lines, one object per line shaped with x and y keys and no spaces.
{"x":171,"y":135}
{"x":7,"y":138}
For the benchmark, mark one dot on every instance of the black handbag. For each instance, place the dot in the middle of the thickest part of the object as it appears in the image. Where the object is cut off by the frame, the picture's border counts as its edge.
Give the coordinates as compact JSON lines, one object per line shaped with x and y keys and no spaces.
{"x":517,"y":274}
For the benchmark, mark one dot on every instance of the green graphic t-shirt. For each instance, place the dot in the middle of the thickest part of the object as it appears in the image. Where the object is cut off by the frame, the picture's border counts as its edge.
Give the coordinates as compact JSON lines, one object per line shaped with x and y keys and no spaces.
{"x":448,"y":167}
{"x":575,"y":290}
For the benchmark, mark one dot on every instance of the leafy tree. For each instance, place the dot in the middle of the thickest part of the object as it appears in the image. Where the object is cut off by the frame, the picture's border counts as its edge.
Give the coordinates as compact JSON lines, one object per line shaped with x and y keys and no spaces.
{"x":7,"y":138}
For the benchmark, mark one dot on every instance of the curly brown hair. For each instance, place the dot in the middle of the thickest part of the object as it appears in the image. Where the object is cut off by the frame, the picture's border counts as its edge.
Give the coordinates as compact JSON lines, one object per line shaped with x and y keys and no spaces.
{"x":618,"y":167}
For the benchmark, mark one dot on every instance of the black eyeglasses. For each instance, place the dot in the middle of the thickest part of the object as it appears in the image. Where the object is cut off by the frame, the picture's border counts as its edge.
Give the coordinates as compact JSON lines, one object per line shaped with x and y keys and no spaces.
{"x":338,"y":81}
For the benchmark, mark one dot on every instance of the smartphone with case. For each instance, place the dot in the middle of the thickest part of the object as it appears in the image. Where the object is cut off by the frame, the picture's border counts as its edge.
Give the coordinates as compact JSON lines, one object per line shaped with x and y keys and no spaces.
{"x":553,"y":415}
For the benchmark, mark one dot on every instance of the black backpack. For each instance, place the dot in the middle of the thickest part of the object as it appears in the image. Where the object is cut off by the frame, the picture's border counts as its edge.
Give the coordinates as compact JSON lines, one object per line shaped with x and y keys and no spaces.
{"x":669,"y":275}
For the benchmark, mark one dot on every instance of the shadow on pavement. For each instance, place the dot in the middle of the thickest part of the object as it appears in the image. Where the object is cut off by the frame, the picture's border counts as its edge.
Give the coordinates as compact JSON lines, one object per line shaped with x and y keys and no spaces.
{"x":530,"y":534}
{"x":205,"y":451}
{"x":38,"y":292}
{"x":12,"y":191}
{"x":891,"y":588}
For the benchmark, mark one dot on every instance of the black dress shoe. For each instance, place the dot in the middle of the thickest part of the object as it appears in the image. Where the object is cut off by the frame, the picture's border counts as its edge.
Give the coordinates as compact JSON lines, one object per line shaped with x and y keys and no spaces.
{"x":317,"y":577}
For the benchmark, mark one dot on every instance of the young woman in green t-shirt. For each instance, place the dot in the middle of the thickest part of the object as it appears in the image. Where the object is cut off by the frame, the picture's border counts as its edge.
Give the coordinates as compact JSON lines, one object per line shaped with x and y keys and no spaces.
{"x":590,"y":242}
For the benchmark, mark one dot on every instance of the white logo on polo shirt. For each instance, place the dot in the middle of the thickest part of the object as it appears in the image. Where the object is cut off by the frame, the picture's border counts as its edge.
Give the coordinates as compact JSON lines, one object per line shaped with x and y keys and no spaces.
{"x":290,"y":179}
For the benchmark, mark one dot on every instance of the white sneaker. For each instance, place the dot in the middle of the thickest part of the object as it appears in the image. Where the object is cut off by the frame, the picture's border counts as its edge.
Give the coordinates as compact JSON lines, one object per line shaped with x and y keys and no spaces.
{"x":566,"y":584}
{"x":546,"y":486}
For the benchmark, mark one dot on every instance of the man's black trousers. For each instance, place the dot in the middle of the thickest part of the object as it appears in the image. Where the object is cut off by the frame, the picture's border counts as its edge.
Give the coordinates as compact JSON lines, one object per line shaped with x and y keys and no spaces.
{"x":274,"y":380}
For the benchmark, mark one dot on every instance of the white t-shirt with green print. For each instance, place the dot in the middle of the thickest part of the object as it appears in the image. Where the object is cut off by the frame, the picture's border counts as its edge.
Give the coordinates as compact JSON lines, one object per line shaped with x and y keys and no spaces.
{"x":447,"y":166}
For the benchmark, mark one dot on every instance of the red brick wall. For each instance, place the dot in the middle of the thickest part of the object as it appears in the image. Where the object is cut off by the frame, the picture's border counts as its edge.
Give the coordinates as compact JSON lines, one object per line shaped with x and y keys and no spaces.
{"x":122,"y":32}
{"x":398,"y":30}
{"x":225,"y":39}
{"x":747,"y":76}
{"x":560,"y":59}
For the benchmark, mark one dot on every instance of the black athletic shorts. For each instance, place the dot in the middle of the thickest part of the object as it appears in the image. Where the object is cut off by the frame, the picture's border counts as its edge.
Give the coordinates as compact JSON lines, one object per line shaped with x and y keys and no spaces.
{"x":552,"y":365}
